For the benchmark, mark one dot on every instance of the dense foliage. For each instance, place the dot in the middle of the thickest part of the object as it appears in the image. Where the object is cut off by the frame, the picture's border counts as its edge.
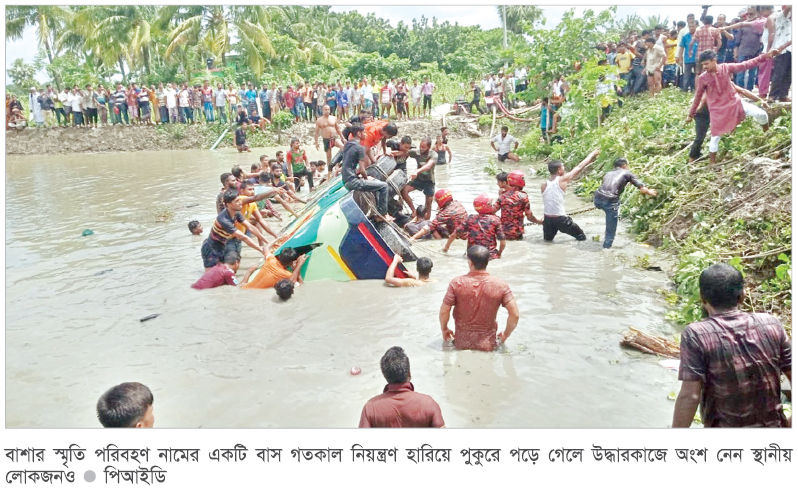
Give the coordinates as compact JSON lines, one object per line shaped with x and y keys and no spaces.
{"x":737,"y":212}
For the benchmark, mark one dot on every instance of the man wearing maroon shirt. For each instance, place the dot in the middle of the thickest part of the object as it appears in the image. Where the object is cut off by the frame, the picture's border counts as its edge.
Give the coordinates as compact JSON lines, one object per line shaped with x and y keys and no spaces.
{"x":221,"y":274}
{"x":731,"y":361}
{"x":399,"y":405}
{"x":476,"y":298}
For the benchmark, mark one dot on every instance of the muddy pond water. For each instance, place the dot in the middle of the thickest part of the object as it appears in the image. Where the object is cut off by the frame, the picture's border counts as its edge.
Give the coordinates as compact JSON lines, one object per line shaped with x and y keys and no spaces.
{"x":234,"y":358}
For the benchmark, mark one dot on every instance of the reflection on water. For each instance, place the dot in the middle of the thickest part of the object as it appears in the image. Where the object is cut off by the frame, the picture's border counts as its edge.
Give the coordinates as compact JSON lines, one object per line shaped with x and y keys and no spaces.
{"x":73,"y":306}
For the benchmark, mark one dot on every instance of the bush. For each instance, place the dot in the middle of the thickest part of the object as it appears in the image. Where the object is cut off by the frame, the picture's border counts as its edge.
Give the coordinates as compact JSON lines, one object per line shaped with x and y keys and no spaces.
{"x":283,"y":119}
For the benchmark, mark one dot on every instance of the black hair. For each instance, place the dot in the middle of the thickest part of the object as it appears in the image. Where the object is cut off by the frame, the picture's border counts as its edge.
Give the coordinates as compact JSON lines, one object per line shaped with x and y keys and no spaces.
{"x":707,"y":55}
{"x":224,"y":177}
{"x":193,"y":225}
{"x":651,"y":40}
{"x":424,"y":266}
{"x":356,"y":129}
{"x":124,"y":405}
{"x":620,"y":162}
{"x":545,"y":100}
{"x":265,"y":177}
{"x":681,"y":24}
{"x":407,"y":140}
{"x":391,"y":129}
{"x":674,"y":32}
{"x":278,"y":153}
{"x":287,"y":256}
{"x":262,"y":157}
{"x":421,"y":210}
{"x":231,"y":257}
{"x":708,"y":20}
{"x":479,"y":256}
{"x":229,"y":196}
{"x":501,"y":176}
{"x":505,"y":128}
{"x":645,"y":33}
{"x":659,"y":26}
{"x":254,"y":167}
{"x":554,"y":166}
{"x":392,"y":144}
{"x":284,"y":289}
{"x":721,"y":285}
{"x":237,"y":171}
{"x":395,"y":366}
{"x":245,"y":183}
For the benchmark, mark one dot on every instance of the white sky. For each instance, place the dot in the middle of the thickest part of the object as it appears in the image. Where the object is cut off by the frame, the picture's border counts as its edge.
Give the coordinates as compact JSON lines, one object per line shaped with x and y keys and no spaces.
{"x":481,"y":15}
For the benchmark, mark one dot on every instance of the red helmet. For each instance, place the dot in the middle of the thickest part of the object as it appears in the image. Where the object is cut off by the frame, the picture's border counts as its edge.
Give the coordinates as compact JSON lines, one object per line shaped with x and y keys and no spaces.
{"x":483,"y":204}
{"x":516,"y":178}
{"x":443,"y":196}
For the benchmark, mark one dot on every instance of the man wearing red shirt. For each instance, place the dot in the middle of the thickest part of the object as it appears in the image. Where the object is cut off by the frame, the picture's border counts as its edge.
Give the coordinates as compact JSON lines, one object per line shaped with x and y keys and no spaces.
{"x":399,"y":405}
{"x":221,"y":274}
{"x":476,"y":298}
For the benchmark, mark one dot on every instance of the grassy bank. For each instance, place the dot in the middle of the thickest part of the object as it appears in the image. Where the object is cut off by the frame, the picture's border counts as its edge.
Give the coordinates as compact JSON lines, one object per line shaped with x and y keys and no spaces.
{"x":738,"y":211}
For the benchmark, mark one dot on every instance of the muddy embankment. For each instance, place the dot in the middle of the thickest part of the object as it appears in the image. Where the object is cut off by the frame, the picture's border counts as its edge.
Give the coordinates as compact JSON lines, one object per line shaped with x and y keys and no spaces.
{"x":111,"y":139}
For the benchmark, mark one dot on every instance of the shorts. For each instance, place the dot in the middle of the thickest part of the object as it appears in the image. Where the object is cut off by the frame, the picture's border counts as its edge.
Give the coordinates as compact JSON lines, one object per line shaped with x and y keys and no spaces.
{"x":428,"y":101}
{"x":400,"y":107}
{"x":504,"y":157}
{"x":329,"y":143}
{"x":212,"y":252}
{"x":425,"y":186}
{"x":254,"y":119}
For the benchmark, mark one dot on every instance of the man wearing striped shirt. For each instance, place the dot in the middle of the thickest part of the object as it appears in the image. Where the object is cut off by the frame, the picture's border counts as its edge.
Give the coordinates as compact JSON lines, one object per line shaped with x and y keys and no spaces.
{"x":224,"y":229}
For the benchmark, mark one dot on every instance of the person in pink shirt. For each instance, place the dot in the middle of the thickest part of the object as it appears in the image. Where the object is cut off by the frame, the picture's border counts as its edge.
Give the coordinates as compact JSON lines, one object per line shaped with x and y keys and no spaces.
{"x":426,"y":91}
{"x":223,"y":273}
{"x":726,"y":109}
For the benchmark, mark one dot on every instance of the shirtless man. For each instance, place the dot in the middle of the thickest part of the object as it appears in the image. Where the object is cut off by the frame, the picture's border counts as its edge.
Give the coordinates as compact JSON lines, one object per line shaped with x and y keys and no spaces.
{"x":327,"y":124}
{"x":423,"y":266}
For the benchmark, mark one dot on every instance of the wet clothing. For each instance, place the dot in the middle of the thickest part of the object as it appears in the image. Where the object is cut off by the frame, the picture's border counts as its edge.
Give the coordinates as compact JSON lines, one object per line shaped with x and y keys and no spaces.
{"x":476,"y":298}
{"x":421,"y":160}
{"x":554,"y":198}
{"x":505,"y":144}
{"x":218,"y":275}
{"x":241,"y":137}
{"x":352,"y":155}
{"x":738,"y":357}
{"x":270,"y":274}
{"x":441,"y":157}
{"x":614,"y":183}
{"x":373,"y":134}
{"x":482,"y":229}
{"x":514,"y":205}
{"x":415,"y":226}
{"x":552,"y":225}
{"x":400,"y":406}
{"x":225,"y":226}
{"x":449,"y":218}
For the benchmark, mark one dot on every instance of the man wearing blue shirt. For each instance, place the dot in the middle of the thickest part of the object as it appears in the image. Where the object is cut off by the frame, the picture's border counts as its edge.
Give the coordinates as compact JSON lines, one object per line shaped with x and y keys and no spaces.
{"x":688,"y":79}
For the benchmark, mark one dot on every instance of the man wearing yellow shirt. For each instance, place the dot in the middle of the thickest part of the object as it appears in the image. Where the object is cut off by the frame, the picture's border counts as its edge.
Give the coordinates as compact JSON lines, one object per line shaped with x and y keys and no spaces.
{"x":252,"y":215}
{"x":624,"y":61}
{"x":669,"y":73}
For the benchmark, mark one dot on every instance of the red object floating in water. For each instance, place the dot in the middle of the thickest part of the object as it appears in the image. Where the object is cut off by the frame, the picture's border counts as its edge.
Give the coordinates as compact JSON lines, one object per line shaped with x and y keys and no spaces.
{"x":355,"y":371}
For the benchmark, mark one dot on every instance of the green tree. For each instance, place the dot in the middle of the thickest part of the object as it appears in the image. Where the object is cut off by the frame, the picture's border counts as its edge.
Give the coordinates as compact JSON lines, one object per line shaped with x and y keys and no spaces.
{"x":651,"y":22}
{"x":519,"y":19}
{"x":23,"y":74}
{"x":49,"y":20}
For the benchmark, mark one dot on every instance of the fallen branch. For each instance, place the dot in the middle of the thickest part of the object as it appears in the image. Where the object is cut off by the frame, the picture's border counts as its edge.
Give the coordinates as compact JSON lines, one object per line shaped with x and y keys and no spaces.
{"x":650,"y":344}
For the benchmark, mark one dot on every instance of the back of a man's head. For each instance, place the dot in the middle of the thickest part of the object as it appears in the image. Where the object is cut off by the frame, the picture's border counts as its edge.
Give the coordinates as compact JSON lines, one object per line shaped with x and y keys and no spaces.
{"x":284,"y":289}
{"x":721,"y":286}
{"x":395,"y":366}
{"x":287,"y":256}
{"x":424,"y":266}
{"x":479,"y":256}
{"x":124,"y":405}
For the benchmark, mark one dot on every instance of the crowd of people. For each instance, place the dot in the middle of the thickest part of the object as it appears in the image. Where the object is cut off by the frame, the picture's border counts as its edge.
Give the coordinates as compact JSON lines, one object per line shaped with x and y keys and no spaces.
{"x":182,"y":103}
{"x":355,"y":118}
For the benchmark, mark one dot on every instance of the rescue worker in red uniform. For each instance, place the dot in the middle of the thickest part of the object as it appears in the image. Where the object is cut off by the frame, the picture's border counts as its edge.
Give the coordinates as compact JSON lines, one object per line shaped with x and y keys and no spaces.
{"x":483,"y":228}
{"x":450,"y":215}
{"x":514,"y":205}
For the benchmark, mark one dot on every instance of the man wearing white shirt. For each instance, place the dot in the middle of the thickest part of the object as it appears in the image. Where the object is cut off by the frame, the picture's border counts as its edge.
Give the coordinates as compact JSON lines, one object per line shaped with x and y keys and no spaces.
{"x":171,"y":103}
{"x":66,"y":102}
{"x":415,"y":97}
{"x":77,"y":106}
{"x":506,"y":145}
{"x":520,"y":79}
{"x":220,"y":101}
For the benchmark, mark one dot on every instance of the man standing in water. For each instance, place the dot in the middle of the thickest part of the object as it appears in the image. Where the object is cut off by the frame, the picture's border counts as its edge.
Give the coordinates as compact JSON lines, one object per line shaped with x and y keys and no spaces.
{"x":607,"y":197}
{"x":450,"y":215}
{"x":726,"y":109}
{"x":731,"y":361}
{"x":506,"y":147}
{"x":399,"y":405}
{"x":476,"y":298}
{"x":483,"y":228}
{"x":423,"y":267}
{"x":327,"y":125}
{"x":514,"y":205}
{"x":224,"y":228}
{"x":555,"y":219}
{"x":423,"y":178}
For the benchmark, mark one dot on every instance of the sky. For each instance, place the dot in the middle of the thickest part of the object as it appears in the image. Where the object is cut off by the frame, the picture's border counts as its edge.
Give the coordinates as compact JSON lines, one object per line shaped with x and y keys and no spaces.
{"x":484,"y":16}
